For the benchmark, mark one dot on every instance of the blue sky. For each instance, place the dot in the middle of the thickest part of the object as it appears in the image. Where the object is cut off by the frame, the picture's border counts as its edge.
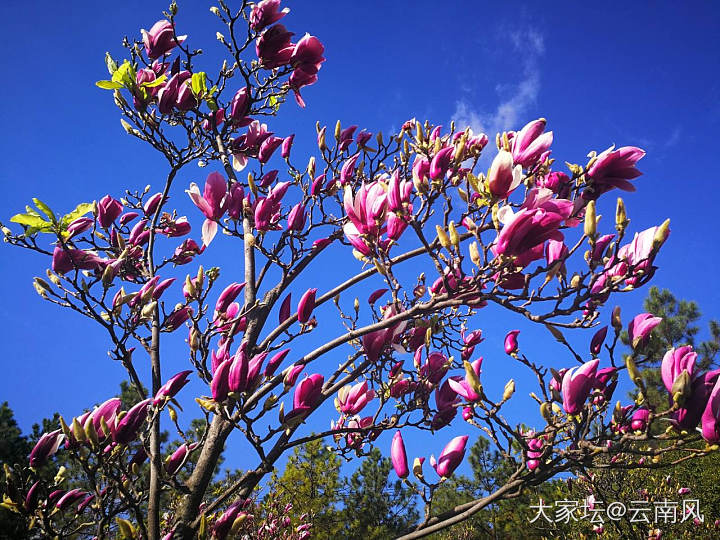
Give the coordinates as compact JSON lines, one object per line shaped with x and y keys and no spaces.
{"x":626,"y":74}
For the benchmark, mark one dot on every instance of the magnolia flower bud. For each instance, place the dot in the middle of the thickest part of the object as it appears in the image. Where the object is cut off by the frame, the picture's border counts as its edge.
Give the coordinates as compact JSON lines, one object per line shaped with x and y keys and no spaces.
{"x":322,"y":145}
{"x":475,"y":254}
{"x":546,"y":412}
{"x":590,"y":221}
{"x":311,"y":167}
{"x":633,"y":371}
{"x":472,"y":378}
{"x":681,"y":388}
{"x":442,"y":237}
{"x":621,"y":220}
{"x":338,"y":130}
{"x":616,"y":319}
{"x":661,"y":234}
{"x":454,"y":236}
{"x":418,"y":467}
{"x":509,"y":390}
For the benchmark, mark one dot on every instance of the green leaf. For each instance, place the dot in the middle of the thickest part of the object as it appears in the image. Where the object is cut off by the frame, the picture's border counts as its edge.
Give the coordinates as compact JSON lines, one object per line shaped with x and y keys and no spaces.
{"x":108,"y":85}
{"x":30,"y":221}
{"x":156,"y":82}
{"x":45,"y":209}
{"x":125,"y":75}
{"x":199,"y":83}
{"x":274,"y":103}
{"x":80,"y":210}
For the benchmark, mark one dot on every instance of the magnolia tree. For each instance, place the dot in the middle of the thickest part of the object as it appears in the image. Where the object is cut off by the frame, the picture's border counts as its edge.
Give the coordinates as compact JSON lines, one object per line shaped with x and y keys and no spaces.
{"x":412,"y":209}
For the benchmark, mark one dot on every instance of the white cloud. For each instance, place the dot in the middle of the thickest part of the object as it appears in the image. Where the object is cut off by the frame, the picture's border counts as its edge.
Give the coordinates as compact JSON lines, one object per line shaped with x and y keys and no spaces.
{"x":515,"y":98}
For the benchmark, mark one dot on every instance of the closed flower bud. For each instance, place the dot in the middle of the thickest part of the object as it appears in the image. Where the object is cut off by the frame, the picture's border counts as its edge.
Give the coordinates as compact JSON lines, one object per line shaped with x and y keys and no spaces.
{"x":590,"y":220}
{"x":509,"y":390}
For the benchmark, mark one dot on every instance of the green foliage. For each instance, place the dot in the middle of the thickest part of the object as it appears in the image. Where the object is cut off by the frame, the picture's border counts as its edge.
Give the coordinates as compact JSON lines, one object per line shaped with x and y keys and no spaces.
{"x":35,"y":222}
{"x":311,"y":483}
{"x":505,"y":519}
{"x":373,"y":506}
{"x":14,"y":448}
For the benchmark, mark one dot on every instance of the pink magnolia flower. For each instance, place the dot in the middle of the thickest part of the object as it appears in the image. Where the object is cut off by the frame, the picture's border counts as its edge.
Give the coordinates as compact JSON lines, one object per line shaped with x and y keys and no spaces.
{"x":177,"y":94}
{"x":106,"y":411}
{"x":179,"y":457}
{"x":398,"y":456}
{"x":126,"y":430}
{"x":688,"y":416}
{"x":398,"y":195}
{"x":109,"y":210}
{"x":45,"y":448}
{"x":240,"y":106}
{"x":273,"y":47}
{"x":306,"y":306}
{"x":640,"y":327}
{"x":228,"y":296}
{"x":597,"y":340}
{"x":72,"y":496}
{"x":65,"y":260}
{"x":463,"y":387}
{"x":441,"y":162}
{"x":248,"y":144}
{"x":636,"y":258}
{"x":576,"y":385}
{"x":306,"y":59}
{"x":275,"y":362}
{"x":511,"y":343}
{"x":219,"y":384}
{"x":366,"y":212}
{"x":223,"y":525}
{"x":557,"y":182}
{"x":451,"y":456}
{"x":525,"y":233}
{"x":639,"y":419}
{"x":172,"y":387}
{"x":614,"y":169}
{"x":244,"y":373}
{"x":675,"y":362}
{"x":353,"y":399}
{"x":435,"y":367}
{"x":503,"y":177}
{"x":307,"y":394}
{"x":296,"y":218}
{"x":374,"y":343}
{"x":287,"y":146}
{"x":212,"y":203}
{"x":530,"y":145}
{"x":711,"y":416}
{"x":160,"y":39}
{"x":265,"y":13}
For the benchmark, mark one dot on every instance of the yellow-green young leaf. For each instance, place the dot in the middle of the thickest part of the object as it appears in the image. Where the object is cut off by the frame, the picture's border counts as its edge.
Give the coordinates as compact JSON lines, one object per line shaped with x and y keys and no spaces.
{"x":273,"y":102}
{"x":80,"y":210}
{"x":45,"y":209}
{"x":108,"y":85}
{"x":30,"y":220}
{"x":156,"y":82}
{"x":125,"y":75}
{"x":199,"y":83}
